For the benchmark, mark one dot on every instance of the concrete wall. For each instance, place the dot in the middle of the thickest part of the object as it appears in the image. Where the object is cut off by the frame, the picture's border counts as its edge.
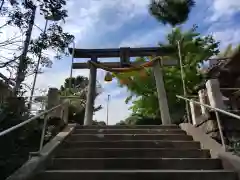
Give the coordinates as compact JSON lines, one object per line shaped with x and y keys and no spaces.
{"x":212,"y":96}
{"x":229,"y":161}
{"x":37,"y":163}
{"x":206,"y":121}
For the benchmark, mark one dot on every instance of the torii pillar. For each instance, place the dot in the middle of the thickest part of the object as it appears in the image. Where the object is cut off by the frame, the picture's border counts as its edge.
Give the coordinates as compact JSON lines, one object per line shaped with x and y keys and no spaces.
{"x":125,"y":54}
{"x":88,"y":117}
{"x":162,"y":97}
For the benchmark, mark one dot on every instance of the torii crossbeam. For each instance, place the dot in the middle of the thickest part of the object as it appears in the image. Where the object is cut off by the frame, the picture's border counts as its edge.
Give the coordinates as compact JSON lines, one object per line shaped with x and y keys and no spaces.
{"x":124,"y":54}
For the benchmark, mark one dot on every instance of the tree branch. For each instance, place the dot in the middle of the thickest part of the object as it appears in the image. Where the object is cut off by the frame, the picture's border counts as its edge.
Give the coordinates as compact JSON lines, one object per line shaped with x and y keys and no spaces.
{"x":1,"y":5}
{"x":4,"y":24}
{"x":2,"y":65}
{"x":9,"y":43}
{"x":38,"y":27}
{"x":6,"y":79}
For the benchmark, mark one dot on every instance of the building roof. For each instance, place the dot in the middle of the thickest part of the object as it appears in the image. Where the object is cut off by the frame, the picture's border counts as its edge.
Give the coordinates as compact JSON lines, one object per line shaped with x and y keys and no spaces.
{"x":226,"y":70}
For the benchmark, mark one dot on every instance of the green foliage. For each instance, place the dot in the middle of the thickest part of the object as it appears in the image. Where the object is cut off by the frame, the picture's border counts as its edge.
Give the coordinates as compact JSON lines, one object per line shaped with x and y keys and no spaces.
{"x":54,"y":38}
{"x":48,"y":8}
{"x":14,"y":109}
{"x":99,"y":123}
{"x":18,"y":18}
{"x":21,"y":14}
{"x":53,"y":8}
{"x":171,"y":12}
{"x":78,"y":89}
{"x":79,"y":82}
{"x":121,"y":123}
{"x":15,"y":145}
{"x":138,"y":119}
{"x":71,"y":87}
{"x":195,"y":50}
{"x":235,"y":147}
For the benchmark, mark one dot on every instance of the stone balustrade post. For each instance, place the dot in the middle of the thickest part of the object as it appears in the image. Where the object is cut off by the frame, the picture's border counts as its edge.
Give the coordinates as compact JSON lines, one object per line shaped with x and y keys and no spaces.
{"x":195,"y":112}
{"x":65,"y":111}
{"x":202,"y":99}
{"x":214,"y":94}
{"x":216,"y":100}
{"x":53,"y":100}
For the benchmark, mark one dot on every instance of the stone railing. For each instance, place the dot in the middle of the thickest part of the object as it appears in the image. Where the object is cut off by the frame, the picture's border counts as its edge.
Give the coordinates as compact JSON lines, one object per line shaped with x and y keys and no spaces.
{"x":205,"y":119}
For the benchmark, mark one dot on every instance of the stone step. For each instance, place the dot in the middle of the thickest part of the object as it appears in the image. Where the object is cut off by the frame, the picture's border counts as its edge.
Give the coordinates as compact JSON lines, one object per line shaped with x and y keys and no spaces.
{"x":130,"y":127}
{"x":137,"y":175}
{"x":133,"y":144}
{"x":129,"y":131}
{"x":134,"y":163}
{"x":111,"y":137}
{"x":134,"y":152}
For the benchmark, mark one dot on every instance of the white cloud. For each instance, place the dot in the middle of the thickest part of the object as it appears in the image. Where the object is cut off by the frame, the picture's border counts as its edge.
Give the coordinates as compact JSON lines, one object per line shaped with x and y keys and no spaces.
{"x":224,"y":9}
{"x":88,"y":18}
{"x":228,"y":36}
{"x":98,"y":16}
{"x":147,"y":39}
{"x":91,"y":19}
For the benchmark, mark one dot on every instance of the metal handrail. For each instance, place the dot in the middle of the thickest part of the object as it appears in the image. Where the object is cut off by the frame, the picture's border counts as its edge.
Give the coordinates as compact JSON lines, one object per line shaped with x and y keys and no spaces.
{"x":210,"y":107}
{"x":45,"y":113}
{"x":29,"y":120}
{"x":216,"y":110}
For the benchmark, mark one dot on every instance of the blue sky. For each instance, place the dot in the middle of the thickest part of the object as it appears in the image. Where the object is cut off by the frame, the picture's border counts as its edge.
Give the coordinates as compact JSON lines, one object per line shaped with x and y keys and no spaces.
{"x":121,"y":23}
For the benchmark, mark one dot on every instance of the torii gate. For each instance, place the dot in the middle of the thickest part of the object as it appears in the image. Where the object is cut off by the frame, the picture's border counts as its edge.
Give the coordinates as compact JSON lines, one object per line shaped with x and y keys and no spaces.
{"x":124,"y":53}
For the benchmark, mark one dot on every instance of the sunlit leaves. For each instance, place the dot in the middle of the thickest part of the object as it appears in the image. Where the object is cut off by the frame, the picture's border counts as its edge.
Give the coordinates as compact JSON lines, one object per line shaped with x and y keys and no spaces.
{"x":195,"y":50}
{"x":53,"y":8}
{"x":171,"y":12}
{"x":54,"y":38}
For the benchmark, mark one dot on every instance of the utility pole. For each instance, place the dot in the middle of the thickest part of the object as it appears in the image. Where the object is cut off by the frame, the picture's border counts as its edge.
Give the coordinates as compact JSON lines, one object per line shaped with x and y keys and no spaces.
{"x":36,"y":70}
{"x":23,"y":58}
{"x":183,"y":81}
{"x":48,"y":18}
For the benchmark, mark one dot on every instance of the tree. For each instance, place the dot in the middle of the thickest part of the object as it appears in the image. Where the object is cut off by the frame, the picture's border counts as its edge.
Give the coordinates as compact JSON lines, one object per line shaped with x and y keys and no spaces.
{"x":195,"y":50}
{"x":121,"y":123}
{"x":23,"y":64}
{"x":78,"y":87}
{"x":99,"y":123}
{"x":171,"y":12}
{"x":74,"y":85}
{"x":21,"y":141}
{"x":22,"y":15}
{"x":138,"y":119}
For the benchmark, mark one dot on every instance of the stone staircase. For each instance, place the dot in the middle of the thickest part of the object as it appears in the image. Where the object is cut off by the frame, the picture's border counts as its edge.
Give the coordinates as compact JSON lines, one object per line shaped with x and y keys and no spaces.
{"x":138,"y":152}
